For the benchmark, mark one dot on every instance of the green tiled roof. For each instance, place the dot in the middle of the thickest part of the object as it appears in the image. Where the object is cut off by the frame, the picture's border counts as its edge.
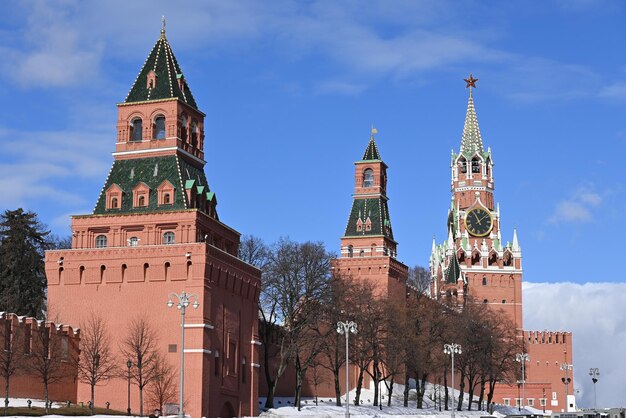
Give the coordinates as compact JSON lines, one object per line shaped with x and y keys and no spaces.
{"x":472,"y":141}
{"x":454,"y":271}
{"x":163,"y":62}
{"x":377,"y":211}
{"x":152,"y":171}
{"x":371,"y":152}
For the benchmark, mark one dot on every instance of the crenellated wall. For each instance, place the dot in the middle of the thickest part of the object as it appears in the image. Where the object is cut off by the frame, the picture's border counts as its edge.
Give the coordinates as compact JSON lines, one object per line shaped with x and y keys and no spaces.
{"x":22,"y":336}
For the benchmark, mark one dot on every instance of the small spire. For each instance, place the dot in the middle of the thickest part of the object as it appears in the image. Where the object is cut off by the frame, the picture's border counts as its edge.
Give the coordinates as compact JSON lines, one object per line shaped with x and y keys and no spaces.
{"x":471,"y":141}
{"x":163,"y":27}
{"x":515,"y":242}
{"x":450,"y":239}
{"x":434,"y":247}
{"x":374,"y":131}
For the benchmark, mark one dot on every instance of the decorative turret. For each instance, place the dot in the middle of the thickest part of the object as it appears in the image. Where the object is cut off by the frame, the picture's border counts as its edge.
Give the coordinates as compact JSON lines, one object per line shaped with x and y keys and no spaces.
{"x":369,"y":216}
{"x":159,"y":154}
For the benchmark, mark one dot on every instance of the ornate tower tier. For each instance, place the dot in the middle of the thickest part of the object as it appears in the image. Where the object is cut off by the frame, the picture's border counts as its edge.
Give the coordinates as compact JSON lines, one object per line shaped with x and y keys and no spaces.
{"x":368,"y":249}
{"x":155,"y":231}
{"x":474,"y":263}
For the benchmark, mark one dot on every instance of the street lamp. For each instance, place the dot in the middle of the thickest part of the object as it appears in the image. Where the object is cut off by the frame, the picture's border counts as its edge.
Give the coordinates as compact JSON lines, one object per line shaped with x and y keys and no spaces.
{"x":183,"y":302}
{"x":566,"y":381}
{"x":452,"y":349}
{"x":129,"y":364}
{"x":522,"y":358}
{"x":594,"y":372}
{"x":346,"y":328}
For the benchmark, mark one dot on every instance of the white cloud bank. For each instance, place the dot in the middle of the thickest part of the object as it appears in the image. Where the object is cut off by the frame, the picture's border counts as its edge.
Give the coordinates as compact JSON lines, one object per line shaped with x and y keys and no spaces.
{"x":594,"y":313}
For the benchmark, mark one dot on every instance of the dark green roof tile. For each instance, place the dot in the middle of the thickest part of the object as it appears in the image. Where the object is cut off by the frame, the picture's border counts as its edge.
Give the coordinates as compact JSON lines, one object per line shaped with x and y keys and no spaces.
{"x":152,"y":171}
{"x":168,"y":73}
{"x":371,"y":152}
{"x":377,"y":211}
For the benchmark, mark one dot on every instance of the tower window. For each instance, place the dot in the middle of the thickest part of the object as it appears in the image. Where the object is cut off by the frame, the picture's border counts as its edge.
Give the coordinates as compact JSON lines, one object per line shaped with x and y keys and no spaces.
{"x":114,"y":203}
{"x":475,"y":165}
{"x":168,"y":238}
{"x":368,"y":178}
{"x":362,"y":253}
{"x":485,"y":281}
{"x":136,"y":129}
{"x":166,"y":199}
{"x":101,"y":241}
{"x":159,"y":127}
{"x":183,"y":128}
{"x":194,"y":134}
{"x":133,"y":241}
{"x":350,"y":251}
{"x":463,"y":165}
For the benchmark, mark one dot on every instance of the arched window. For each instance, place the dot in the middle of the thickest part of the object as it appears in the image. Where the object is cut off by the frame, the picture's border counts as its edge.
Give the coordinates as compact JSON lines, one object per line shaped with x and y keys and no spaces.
{"x":183,"y":128}
{"x":159,"y":127}
{"x":133,"y":241}
{"x":81,"y":272}
{"x":194,"y":134}
{"x":368,"y":178}
{"x":114,"y":203}
{"x":102,"y":270}
{"x":166,"y":198}
{"x":463,"y":165}
{"x":484,"y":280}
{"x":101,"y":241}
{"x":350,"y":251}
{"x":136,"y":130}
{"x":168,"y":238}
{"x":362,"y":253}
{"x":167,"y":270}
{"x":141,"y":201}
{"x":485,"y":301}
{"x":475,"y":165}
{"x":124,"y":267}
{"x":146,"y":269}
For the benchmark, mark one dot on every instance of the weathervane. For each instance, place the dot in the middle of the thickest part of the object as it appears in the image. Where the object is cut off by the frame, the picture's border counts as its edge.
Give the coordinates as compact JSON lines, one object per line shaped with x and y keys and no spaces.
{"x":373,"y":132}
{"x":470,"y":82}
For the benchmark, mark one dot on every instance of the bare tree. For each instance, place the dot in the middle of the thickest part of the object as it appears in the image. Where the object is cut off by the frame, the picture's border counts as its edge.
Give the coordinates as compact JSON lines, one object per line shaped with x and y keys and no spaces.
{"x":419,"y":279}
{"x":51,"y":359}
{"x":254,"y":251}
{"x":140,"y":347}
{"x":11,"y":357}
{"x":295,"y":281}
{"x":164,"y":387}
{"x":97,"y":363}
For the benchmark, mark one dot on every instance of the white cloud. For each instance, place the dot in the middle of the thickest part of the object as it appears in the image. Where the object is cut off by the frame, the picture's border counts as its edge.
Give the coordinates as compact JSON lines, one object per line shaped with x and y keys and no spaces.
{"x":595,"y":315}
{"x":53,"y":159}
{"x":51,"y":53}
{"x":614,"y":91}
{"x":577,"y":208}
{"x":339,"y":87}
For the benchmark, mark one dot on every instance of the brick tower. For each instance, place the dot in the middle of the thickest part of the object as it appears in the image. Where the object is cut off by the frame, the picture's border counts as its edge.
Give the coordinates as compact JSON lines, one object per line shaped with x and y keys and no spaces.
{"x":474,"y":266}
{"x":368,"y":250}
{"x":155,"y":230}
{"x":474,"y":261}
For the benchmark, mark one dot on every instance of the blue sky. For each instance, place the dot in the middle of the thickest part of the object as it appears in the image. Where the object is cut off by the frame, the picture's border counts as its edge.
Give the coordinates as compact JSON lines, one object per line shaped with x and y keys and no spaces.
{"x":291,"y":89}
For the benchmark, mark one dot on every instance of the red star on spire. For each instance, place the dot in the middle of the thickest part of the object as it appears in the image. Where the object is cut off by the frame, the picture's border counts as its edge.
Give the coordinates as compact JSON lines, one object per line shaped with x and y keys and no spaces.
{"x":470,"y":82}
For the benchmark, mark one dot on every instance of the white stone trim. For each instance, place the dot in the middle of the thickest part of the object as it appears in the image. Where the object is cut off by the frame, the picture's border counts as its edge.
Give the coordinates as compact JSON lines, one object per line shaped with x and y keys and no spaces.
{"x":196,"y":350}
{"x":208,"y":326}
{"x":143,"y":151}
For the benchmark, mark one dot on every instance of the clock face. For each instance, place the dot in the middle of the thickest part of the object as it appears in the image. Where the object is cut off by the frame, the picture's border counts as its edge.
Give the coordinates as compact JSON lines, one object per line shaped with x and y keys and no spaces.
{"x":478,"y":222}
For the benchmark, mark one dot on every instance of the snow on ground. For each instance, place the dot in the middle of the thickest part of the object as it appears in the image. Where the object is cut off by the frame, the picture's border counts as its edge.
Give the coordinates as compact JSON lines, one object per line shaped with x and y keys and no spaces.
{"x":326,"y":407}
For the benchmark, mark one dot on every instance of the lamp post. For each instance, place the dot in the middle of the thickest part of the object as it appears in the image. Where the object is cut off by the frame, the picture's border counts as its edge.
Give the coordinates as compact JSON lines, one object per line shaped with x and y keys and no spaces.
{"x":346,"y":328}
{"x":184,"y":299}
{"x":452,"y":349}
{"x":566,"y":381}
{"x":129,"y":364}
{"x":594,"y":372}
{"x":523,"y":358}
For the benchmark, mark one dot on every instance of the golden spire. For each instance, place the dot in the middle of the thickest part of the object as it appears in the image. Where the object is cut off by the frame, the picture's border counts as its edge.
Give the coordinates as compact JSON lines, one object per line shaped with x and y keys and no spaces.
{"x":162,"y":26}
{"x":374,"y":131}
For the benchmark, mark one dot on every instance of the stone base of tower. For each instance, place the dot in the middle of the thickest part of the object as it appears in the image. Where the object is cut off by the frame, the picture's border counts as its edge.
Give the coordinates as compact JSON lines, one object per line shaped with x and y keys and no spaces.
{"x":121,"y":284}
{"x":386,"y":274}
